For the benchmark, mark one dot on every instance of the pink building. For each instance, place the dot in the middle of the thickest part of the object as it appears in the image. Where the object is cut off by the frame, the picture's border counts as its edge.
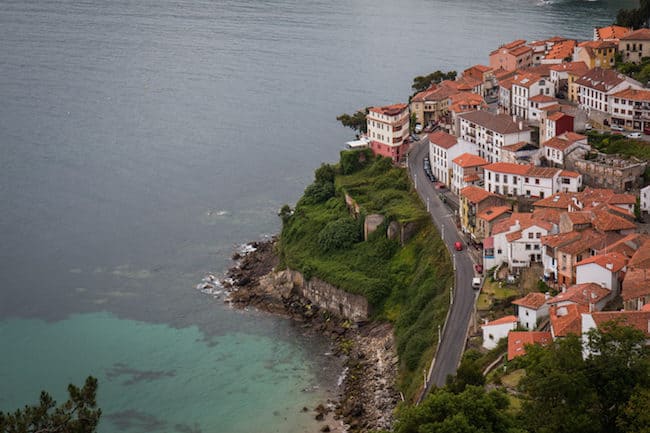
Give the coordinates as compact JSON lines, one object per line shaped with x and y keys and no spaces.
{"x":388,"y":130}
{"x":512,"y":56}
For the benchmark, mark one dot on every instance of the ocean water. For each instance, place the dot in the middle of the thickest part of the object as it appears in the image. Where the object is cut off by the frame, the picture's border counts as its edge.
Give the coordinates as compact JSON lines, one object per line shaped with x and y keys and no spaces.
{"x":142,"y":141}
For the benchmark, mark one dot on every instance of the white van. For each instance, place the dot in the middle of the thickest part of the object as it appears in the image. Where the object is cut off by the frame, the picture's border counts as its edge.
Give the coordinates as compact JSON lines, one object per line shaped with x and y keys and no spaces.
{"x":476,"y":283}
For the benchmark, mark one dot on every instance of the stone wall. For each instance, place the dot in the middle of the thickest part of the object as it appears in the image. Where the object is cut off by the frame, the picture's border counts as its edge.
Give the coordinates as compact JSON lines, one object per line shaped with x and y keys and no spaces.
{"x":353,"y":206}
{"x":324,"y":295}
{"x":402,"y":232}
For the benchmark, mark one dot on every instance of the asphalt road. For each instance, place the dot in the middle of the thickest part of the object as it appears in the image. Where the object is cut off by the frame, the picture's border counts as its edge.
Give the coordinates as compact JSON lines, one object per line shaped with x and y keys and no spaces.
{"x":464,"y":297}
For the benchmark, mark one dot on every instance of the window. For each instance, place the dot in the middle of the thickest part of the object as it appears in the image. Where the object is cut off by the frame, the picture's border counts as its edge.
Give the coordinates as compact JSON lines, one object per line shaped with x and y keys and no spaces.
{"x":528,"y":246}
{"x":496,"y":177}
{"x":538,"y":235}
{"x":536,"y":181}
{"x":530,"y":235}
{"x":526,"y":180}
{"x":499,"y":251}
{"x":536,"y":246}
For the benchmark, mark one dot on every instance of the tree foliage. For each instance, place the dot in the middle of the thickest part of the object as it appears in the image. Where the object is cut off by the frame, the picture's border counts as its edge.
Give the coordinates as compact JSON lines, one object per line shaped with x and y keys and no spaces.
{"x":473,"y":410}
{"x":318,"y":192}
{"x":79,"y":414}
{"x":423,"y":82}
{"x":635,"y":18}
{"x":569,"y":393}
{"x":339,"y":234}
{"x":356,"y":121}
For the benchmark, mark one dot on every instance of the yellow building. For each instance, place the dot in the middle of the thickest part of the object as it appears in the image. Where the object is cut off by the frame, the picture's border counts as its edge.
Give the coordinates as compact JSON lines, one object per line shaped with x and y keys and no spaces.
{"x":599,"y":54}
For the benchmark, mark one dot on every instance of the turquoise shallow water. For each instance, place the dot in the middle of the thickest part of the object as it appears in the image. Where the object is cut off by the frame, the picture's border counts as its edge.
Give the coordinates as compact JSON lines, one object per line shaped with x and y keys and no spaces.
{"x":223,"y":384}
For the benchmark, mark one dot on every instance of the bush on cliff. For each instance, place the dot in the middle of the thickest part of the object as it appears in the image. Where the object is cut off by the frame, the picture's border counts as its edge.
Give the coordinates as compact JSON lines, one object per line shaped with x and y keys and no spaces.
{"x":339,"y":234}
{"x":318,"y":192}
{"x":405,"y":284}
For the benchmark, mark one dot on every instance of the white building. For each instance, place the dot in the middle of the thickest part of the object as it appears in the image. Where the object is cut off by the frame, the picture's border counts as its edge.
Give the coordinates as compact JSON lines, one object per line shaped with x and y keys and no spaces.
{"x":496,"y":330}
{"x":596,"y":87}
{"x":388,"y":130}
{"x":490,"y":132}
{"x":590,"y":295}
{"x":517,"y":241}
{"x":607,"y":270}
{"x":631,"y":109}
{"x":531,"y":309}
{"x":539,"y":104}
{"x":644,"y":197}
{"x":467,"y":170}
{"x":526,"y":180}
{"x":557,"y":148}
{"x":526,"y":86}
{"x":443,"y":148}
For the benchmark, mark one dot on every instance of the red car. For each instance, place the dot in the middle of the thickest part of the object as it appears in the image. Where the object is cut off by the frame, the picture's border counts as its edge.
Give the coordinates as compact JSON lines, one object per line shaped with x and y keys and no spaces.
{"x":458,"y":246}
{"x":478,"y":268}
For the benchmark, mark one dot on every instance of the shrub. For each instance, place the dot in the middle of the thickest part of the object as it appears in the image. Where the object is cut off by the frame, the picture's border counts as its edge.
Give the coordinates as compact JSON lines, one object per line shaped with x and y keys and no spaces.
{"x":325,"y":173}
{"x":339,"y":234}
{"x":318,"y":192}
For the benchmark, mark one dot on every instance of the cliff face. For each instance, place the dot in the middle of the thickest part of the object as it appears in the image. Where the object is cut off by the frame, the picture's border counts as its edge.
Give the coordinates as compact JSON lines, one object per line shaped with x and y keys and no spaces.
{"x":324,"y":295}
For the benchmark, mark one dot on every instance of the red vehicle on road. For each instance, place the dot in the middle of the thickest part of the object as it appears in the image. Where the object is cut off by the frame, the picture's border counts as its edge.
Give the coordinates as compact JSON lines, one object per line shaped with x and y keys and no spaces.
{"x":458,"y":246}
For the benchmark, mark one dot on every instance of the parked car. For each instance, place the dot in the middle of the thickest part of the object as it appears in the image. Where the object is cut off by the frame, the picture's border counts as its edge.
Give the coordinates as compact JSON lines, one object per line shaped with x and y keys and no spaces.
{"x":418,"y":128}
{"x":478,"y":268}
{"x":458,"y":246}
{"x":634,"y":135}
{"x":587,"y":127}
{"x":476,"y":283}
{"x":617,"y":128}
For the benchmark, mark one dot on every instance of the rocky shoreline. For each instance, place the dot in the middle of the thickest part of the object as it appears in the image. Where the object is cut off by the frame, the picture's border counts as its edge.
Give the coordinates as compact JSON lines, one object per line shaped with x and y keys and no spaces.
{"x":368,"y":395}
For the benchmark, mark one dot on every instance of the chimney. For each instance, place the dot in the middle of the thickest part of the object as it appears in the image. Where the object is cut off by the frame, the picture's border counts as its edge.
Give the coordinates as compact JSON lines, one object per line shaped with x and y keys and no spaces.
{"x":591,"y":307}
{"x":547,"y":296}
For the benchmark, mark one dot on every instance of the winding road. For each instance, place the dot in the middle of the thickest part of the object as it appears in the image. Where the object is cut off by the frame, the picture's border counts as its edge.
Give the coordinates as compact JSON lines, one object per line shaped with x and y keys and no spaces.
{"x":464,"y":297}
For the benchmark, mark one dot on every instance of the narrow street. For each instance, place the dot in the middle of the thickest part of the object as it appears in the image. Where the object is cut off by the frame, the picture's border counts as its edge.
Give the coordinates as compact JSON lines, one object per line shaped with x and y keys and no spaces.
{"x":464,"y":297}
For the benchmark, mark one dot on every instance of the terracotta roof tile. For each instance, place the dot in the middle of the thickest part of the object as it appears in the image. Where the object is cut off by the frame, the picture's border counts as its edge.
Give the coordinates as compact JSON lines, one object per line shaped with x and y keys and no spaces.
{"x":474,"y":194}
{"x":634,"y":94}
{"x":542,"y":98}
{"x":561,"y":50}
{"x":567,"y":173}
{"x":501,"y":321}
{"x":636,"y":284}
{"x":508,"y":167}
{"x":613,"y":262}
{"x":469,"y":160}
{"x":491,"y":213}
{"x":601,"y":79}
{"x":543,"y":172}
{"x":533,"y":300}
{"x":501,"y":123}
{"x":637,"y":35}
{"x":559,"y":200}
{"x":583,"y":294}
{"x":390,"y":110}
{"x":557,"y":143}
{"x":636,"y":319}
{"x":567,"y":319}
{"x":612,"y":32}
{"x":577,"y":68}
{"x":641,"y":258}
{"x":606,"y":221}
{"x":518,"y":340}
{"x":442,"y":139}
{"x":513,"y":236}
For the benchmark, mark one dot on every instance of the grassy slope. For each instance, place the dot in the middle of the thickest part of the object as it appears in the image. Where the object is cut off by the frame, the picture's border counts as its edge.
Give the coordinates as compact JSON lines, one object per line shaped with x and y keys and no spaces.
{"x":415,"y":278}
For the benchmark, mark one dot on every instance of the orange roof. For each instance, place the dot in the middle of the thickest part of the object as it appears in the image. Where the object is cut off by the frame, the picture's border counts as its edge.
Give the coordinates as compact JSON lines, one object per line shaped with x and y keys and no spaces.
{"x":614,"y":262}
{"x":533,"y":300}
{"x":561,"y":50}
{"x":637,"y":35}
{"x":612,"y":32}
{"x":579,"y":217}
{"x":560,"y":239}
{"x":582,"y":294}
{"x":566,"y":320}
{"x":635,"y":284}
{"x":519,"y":51}
{"x":547,"y":214}
{"x":438,"y":93}
{"x":389,"y":110}
{"x":526,"y":79}
{"x":558,"y":143}
{"x":469,"y":160}
{"x":543,"y":172}
{"x":519,"y":146}
{"x":606,"y":221}
{"x":442,"y":139}
{"x":471,"y":177}
{"x":593,"y":196}
{"x":542,"y":98}
{"x":573,"y":136}
{"x":628,"y":245}
{"x":501,"y":321}
{"x":513,"y":236}
{"x":508,"y":167}
{"x":634,"y":94}
{"x":641,"y":258}
{"x":525,"y":221}
{"x":636,"y":319}
{"x":576,"y":68}
{"x":518,"y":340}
{"x":560,"y":200}
{"x":597,"y":44}
{"x":491,"y":213}
{"x":556,"y":116}
{"x":474,"y":194}
{"x":646,"y":307}
{"x":601,"y":79}
{"x":568,"y":173}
